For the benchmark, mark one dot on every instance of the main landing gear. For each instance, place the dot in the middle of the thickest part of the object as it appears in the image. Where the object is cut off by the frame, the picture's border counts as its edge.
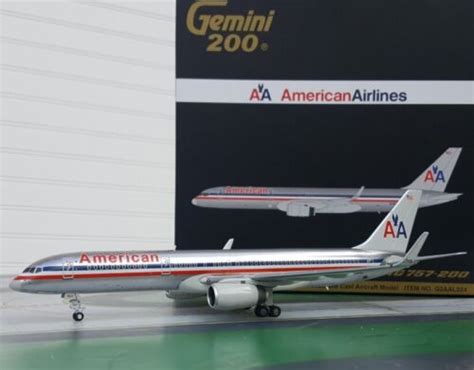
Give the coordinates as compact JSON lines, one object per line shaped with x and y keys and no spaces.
{"x":74,"y":303}
{"x":264,"y":311}
{"x":268,"y":308}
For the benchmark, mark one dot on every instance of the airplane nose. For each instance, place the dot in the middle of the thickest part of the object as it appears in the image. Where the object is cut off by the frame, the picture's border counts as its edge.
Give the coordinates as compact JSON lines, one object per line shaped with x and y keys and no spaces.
{"x":16,"y":285}
{"x":195,"y":201}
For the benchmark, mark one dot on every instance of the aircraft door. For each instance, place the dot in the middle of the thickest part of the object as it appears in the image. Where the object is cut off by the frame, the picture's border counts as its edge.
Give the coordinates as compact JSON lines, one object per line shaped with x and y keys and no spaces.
{"x":68,"y":270}
{"x":165,"y":265}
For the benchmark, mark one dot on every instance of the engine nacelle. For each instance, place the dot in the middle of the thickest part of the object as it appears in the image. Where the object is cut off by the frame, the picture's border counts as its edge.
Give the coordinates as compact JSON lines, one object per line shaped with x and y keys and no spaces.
{"x":299,"y":210}
{"x":234,"y":296}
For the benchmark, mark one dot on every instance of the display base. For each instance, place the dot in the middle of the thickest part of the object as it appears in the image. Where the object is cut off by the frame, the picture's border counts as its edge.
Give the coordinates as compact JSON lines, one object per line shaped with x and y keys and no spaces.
{"x":401,"y":288}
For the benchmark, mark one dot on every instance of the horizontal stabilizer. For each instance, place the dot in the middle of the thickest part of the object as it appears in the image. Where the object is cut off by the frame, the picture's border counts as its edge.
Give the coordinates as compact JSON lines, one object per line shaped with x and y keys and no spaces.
{"x":435,"y":256}
{"x":413,"y":257}
{"x":412,"y":254}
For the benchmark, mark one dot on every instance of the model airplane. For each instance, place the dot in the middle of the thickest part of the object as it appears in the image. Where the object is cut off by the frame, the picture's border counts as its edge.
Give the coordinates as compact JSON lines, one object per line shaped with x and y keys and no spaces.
{"x":231,"y":279}
{"x":305,"y":202}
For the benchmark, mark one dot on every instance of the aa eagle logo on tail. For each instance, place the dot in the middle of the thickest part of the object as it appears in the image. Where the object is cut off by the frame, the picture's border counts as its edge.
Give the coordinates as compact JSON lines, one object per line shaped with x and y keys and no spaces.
{"x":395,"y":228}
{"x":434,"y":174}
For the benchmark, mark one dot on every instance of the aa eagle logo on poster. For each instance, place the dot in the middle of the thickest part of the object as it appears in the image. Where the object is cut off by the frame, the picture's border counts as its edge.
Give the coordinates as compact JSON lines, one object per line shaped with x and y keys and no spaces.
{"x":228,"y":32}
{"x":261,"y":93}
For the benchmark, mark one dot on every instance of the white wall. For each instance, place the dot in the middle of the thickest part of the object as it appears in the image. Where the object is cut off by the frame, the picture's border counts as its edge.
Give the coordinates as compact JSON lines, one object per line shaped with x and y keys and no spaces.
{"x":87,"y":128}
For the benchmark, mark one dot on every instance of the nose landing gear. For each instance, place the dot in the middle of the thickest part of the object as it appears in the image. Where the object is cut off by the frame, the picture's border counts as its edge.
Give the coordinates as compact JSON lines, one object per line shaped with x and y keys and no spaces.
{"x":78,"y":316}
{"x":74,"y":303}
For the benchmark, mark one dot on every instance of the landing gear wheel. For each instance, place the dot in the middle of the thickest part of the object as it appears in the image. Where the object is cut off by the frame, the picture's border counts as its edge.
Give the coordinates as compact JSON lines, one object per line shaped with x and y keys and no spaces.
{"x":261,"y":311}
{"x":78,"y":316}
{"x":74,"y":302}
{"x":274,"y":311}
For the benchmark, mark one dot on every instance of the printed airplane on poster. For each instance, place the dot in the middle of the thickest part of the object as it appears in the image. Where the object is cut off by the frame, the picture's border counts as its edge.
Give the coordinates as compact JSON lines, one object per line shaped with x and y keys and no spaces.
{"x":305,"y":202}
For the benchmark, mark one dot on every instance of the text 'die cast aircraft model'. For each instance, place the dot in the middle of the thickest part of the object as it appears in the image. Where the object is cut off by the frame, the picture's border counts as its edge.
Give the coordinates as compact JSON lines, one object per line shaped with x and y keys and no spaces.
{"x":305,"y":202}
{"x":231,"y":279}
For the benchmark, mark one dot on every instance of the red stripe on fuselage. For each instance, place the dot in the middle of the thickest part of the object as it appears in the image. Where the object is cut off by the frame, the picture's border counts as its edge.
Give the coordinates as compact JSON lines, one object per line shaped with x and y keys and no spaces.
{"x":180,"y":272}
{"x":247,"y":197}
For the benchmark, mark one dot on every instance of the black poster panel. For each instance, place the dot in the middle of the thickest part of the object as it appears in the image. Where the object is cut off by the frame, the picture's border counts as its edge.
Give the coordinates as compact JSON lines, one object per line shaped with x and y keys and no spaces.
{"x":377,"y":146}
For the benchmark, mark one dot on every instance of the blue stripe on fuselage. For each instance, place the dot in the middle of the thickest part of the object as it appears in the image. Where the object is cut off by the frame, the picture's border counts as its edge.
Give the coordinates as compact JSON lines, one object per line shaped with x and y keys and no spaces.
{"x":303,"y":195}
{"x":200,"y":265}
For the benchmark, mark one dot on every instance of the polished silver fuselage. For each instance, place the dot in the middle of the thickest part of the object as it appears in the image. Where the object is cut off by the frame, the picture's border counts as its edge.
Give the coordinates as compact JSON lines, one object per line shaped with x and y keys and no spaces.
{"x":93,"y":272}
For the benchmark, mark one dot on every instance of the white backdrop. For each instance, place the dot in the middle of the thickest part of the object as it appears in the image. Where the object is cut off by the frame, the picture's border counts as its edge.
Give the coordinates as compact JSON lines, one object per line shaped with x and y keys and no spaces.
{"x":87,"y":128}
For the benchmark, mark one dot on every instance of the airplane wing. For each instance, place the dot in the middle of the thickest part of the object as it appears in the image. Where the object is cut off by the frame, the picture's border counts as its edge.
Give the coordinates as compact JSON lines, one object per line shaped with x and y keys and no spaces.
{"x":288,"y":277}
{"x":294,"y":277}
{"x":310,"y":207}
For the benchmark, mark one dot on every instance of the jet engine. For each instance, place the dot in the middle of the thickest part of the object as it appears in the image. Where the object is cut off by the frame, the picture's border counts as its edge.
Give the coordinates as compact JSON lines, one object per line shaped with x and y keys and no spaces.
{"x":234,"y":296}
{"x":299,"y":210}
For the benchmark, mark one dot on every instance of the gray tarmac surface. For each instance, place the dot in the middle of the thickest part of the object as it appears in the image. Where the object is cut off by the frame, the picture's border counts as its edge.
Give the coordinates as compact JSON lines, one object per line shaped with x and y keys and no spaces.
{"x":26,"y":317}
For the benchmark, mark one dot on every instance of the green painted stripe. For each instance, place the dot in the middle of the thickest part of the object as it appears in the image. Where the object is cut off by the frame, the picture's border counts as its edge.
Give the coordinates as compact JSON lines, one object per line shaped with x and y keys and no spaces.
{"x":243,"y":349}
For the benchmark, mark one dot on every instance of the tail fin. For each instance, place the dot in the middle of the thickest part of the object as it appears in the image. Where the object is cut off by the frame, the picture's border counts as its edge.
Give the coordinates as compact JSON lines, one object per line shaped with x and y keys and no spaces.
{"x":393,"y":233}
{"x":436,"y":176}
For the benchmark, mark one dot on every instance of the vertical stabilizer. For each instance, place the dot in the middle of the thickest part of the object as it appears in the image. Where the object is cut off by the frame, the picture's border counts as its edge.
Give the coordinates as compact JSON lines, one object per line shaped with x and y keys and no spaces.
{"x":437,"y":175}
{"x":393,"y":233}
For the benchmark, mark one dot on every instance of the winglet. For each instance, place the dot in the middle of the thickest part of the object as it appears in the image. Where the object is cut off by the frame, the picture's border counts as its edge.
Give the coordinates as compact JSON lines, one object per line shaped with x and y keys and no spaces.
{"x":436,"y":176}
{"x":359,"y":192}
{"x":228,"y":245}
{"x":435,"y":256}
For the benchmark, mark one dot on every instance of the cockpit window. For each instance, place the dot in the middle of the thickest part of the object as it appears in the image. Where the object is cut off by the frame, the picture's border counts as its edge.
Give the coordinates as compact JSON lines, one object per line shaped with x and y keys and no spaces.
{"x":29,"y":270}
{"x":218,"y":190}
{"x":38,"y":269}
